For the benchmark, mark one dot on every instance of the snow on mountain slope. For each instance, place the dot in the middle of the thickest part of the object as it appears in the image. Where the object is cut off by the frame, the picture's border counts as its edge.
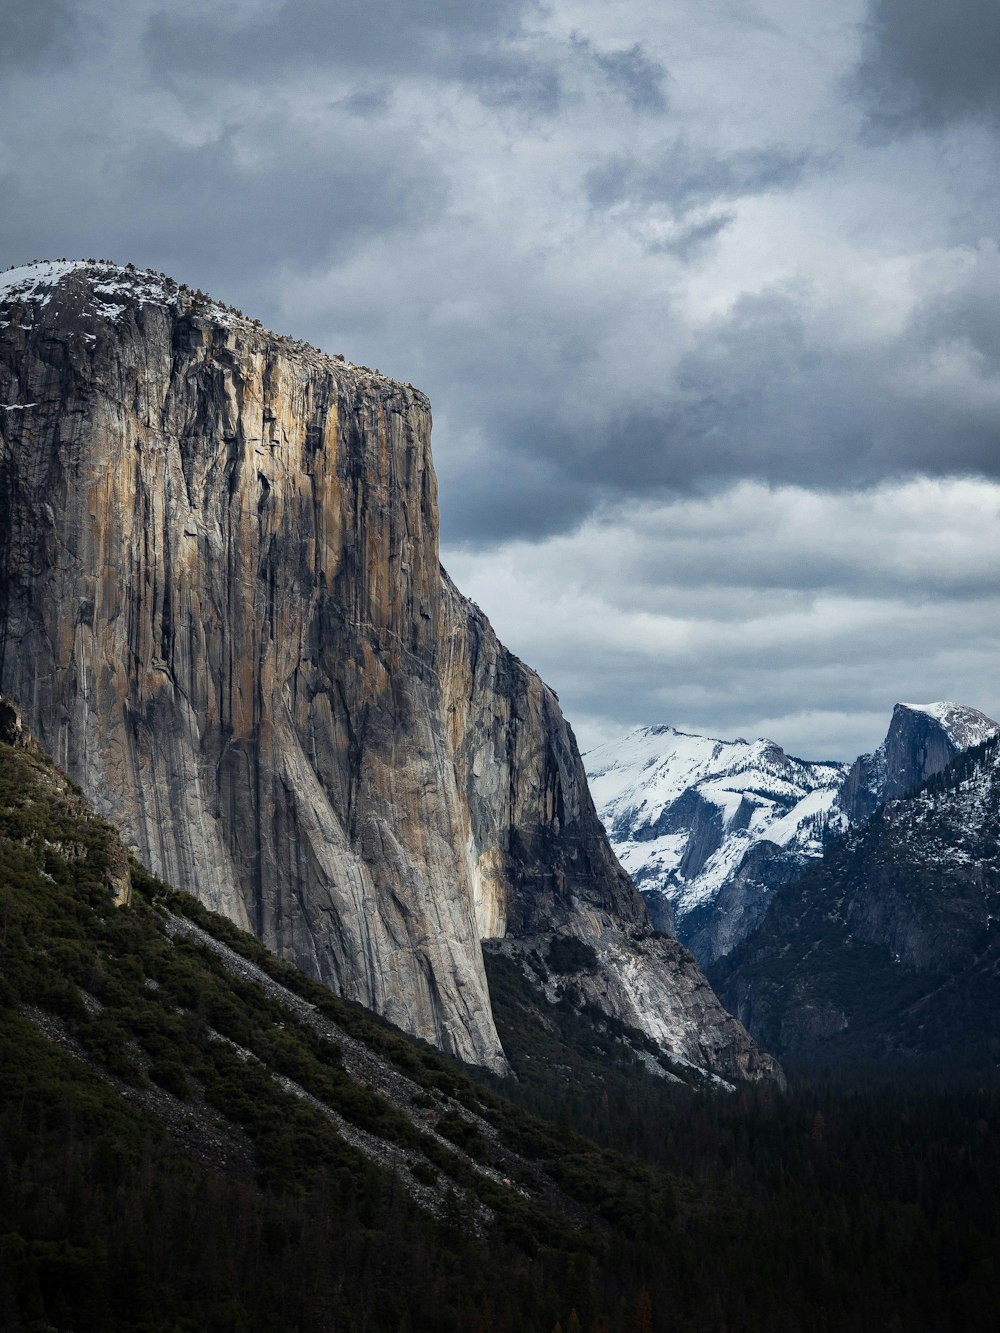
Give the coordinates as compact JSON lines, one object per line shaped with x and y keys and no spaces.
{"x":683,"y":810}
{"x":709,"y":829}
{"x":965,"y":726}
{"x":888,"y":947}
{"x":922,"y":740}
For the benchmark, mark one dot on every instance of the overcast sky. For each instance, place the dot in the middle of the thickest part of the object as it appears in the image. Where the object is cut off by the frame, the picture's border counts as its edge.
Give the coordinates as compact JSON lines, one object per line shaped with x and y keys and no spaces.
{"x":706,"y":297}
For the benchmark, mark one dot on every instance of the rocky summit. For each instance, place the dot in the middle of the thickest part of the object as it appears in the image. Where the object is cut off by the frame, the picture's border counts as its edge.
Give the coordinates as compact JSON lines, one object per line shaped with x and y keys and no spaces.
{"x":888,"y":948}
{"x":711,"y":829}
{"x":922,"y":740}
{"x":222,"y":612}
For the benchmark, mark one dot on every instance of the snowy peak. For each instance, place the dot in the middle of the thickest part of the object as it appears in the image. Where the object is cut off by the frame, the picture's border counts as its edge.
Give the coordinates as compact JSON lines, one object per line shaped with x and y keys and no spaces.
{"x":709,"y":829}
{"x":684,"y":810}
{"x":888,"y":949}
{"x":640,"y":775}
{"x":922,"y":740}
{"x":965,"y":727}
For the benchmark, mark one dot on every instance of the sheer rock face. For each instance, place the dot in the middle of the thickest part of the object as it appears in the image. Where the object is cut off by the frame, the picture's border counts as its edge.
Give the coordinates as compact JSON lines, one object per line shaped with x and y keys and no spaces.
{"x":221,"y":610}
{"x":922,"y":740}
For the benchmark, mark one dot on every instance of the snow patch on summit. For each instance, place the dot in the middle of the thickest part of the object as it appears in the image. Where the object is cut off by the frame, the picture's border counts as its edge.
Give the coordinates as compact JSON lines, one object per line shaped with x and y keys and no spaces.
{"x":34,"y":282}
{"x":112,"y":289}
{"x":682,"y":810}
{"x":113,"y":286}
{"x":966,"y":727}
{"x":715,"y":826}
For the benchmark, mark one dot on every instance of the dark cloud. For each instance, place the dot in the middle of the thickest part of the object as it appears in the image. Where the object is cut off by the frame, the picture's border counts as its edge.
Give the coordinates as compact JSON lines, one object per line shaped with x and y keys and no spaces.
{"x":672,"y":611}
{"x":683,"y":177}
{"x":693,"y":239}
{"x":608,"y":183}
{"x":366,"y":103}
{"x":966,"y":317}
{"x":36,"y":33}
{"x":636,"y":76}
{"x":512,"y":79}
{"x":767,"y":394}
{"x":456,"y":38}
{"x":771,"y":396}
{"x":299,"y":198}
{"x":227,"y":212}
{"x":927,"y":63}
{"x":520,"y":493}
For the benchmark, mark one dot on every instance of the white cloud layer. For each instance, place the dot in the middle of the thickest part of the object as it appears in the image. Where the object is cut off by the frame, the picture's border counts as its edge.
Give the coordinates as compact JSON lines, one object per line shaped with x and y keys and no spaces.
{"x":780,"y":612}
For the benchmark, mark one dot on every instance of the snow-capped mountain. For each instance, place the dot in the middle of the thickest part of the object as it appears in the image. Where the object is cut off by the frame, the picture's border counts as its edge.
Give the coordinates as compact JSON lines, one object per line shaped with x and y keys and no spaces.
{"x":922,"y":740}
{"x":709,"y":829}
{"x":684,"y":811}
{"x":888,"y":946}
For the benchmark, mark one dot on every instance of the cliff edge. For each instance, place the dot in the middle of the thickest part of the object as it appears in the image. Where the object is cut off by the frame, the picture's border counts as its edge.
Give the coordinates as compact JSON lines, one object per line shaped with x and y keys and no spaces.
{"x":222,"y":612}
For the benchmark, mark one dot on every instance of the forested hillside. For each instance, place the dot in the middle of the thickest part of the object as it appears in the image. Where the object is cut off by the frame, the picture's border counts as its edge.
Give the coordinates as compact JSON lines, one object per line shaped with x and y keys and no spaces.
{"x":195,"y":1136}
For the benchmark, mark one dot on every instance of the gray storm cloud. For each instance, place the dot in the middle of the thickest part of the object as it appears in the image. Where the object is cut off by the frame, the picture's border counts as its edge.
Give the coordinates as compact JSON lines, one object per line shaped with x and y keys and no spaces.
{"x":647,"y":261}
{"x":472,"y":40}
{"x":38,"y":34}
{"x":683,"y":177}
{"x":766,"y":393}
{"x":632,"y":73}
{"x":780,"y":612}
{"x":928,"y":63}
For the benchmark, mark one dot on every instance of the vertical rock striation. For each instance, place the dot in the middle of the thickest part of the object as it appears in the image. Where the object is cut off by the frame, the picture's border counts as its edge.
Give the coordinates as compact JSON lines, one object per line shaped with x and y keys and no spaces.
{"x":222,"y":611}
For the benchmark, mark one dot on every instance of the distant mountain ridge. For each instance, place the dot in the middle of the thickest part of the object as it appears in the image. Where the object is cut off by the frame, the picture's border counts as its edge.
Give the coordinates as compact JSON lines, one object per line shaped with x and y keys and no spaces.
{"x":889,"y":945}
{"x":710,"y":829}
{"x":922,"y":740}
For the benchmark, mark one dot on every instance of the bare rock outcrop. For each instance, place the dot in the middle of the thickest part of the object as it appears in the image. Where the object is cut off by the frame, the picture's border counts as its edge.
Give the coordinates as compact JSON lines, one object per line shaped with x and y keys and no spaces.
{"x":222,"y":612}
{"x":922,"y":740}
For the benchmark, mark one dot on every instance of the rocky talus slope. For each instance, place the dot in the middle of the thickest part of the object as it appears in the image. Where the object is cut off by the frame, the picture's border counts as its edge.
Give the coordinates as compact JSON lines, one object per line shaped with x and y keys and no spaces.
{"x":222,"y":611}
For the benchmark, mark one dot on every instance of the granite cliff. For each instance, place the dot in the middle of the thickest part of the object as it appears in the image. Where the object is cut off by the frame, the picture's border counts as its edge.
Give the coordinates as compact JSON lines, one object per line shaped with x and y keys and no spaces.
{"x":222,"y":612}
{"x":922,"y":740}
